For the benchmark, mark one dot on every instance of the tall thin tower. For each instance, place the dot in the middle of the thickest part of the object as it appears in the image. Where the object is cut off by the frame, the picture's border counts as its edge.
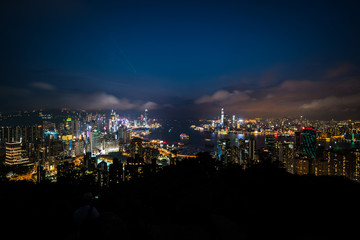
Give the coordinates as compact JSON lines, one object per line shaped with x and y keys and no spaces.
{"x":222,"y":115}
{"x":146,"y":117}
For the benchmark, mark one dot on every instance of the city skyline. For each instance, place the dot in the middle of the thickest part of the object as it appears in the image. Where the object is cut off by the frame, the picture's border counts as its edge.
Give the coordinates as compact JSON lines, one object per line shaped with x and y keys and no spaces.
{"x":183,"y":59}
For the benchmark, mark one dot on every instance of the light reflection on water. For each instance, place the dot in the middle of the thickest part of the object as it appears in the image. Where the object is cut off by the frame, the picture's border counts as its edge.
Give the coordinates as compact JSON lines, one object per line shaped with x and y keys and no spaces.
{"x":198,"y":140}
{"x":207,"y":141}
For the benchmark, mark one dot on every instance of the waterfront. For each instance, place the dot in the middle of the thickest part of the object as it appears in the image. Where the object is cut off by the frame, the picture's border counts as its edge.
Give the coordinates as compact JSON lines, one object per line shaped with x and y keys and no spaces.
{"x":170,"y":132}
{"x":198,"y":141}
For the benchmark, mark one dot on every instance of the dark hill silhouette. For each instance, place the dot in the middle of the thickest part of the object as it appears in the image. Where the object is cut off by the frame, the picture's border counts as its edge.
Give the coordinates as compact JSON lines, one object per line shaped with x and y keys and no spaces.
{"x":192,"y":200}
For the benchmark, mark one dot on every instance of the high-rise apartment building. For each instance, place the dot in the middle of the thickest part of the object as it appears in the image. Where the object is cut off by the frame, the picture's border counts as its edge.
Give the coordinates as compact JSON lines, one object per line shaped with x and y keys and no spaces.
{"x":136,"y":148}
{"x":252,"y":150}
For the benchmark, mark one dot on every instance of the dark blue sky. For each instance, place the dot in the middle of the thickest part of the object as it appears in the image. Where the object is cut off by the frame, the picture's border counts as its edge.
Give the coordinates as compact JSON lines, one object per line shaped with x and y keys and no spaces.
{"x":183,"y":58}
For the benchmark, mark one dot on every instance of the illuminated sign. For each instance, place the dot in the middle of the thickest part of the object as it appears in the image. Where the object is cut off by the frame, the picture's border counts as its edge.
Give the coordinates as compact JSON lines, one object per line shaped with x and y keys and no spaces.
{"x":67,"y":137}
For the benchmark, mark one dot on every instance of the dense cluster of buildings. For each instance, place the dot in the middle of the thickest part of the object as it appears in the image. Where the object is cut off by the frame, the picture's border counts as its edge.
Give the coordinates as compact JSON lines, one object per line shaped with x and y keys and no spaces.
{"x":299,"y":145}
{"x":72,"y":145}
{"x":106,"y":148}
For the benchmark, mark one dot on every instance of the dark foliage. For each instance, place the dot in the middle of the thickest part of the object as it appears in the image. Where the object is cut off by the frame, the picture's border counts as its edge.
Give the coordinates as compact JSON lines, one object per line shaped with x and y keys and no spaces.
{"x":192,"y":200}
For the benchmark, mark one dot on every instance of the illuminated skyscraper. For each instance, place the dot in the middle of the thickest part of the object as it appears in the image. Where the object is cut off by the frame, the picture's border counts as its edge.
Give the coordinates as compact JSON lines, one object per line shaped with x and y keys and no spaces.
{"x":222,"y":116}
{"x":69,"y":126}
{"x":124,"y":135}
{"x":308,"y":141}
{"x":95,"y":141}
{"x":270,"y":142}
{"x":146,"y":120}
{"x":252,"y":149}
{"x":113,"y":122}
{"x":222,"y":146}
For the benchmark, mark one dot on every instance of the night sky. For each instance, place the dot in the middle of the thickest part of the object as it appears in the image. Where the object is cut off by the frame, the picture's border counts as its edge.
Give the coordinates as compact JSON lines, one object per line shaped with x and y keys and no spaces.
{"x":183,"y":59}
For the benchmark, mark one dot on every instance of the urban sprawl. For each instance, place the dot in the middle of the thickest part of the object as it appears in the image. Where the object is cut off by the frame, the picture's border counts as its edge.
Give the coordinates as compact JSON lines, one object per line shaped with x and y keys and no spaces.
{"x":107,"y":148}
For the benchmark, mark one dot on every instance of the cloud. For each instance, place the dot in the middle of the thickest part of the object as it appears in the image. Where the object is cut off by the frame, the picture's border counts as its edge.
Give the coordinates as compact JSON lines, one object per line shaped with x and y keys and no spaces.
{"x":333,"y":103}
{"x":322,"y":99}
{"x":150,"y":105}
{"x":99,"y":101}
{"x":340,"y":70}
{"x":43,"y":86}
{"x":224,"y":96}
{"x":26,"y":99}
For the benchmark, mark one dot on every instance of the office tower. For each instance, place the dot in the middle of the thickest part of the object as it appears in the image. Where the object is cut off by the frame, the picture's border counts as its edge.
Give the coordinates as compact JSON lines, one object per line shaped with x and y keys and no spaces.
{"x":124,"y":135}
{"x":113,"y":122}
{"x":242,"y":149}
{"x":224,"y":150}
{"x":79,"y":147}
{"x":113,"y":114}
{"x":146,"y":118}
{"x":136,"y":148}
{"x":308,"y":141}
{"x":76,"y":130}
{"x":222,"y":116}
{"x":14,"y":154}
{"x":69,"y":126}
{"x":95,"y":141}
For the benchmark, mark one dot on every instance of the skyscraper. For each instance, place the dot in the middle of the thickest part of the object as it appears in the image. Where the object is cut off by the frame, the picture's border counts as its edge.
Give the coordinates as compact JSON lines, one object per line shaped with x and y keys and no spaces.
{"x":308,"y":141}
{"x":222,"y":116}
{"x":124,"y":135}
{"x":113,"y":122}
{"x":222,"y":146}
{"x":146,"y":120}
{"x":252,"y":148}
{"x":270,"y":142}
{"x":95,"y":141}
{"x":136,"y":148}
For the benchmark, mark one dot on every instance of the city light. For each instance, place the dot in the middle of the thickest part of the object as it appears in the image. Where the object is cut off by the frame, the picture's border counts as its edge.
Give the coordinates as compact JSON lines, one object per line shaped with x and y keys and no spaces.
{"x":180,"y":119}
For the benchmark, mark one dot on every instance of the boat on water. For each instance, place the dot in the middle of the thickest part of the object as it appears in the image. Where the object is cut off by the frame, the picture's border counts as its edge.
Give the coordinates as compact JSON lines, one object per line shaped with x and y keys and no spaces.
{"x":184,"y":136}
